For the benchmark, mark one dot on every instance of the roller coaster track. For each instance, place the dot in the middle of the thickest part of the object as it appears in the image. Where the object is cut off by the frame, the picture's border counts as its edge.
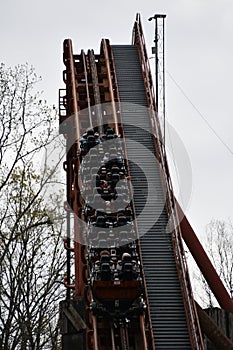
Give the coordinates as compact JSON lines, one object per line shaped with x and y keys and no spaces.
{"x":115,"y":88}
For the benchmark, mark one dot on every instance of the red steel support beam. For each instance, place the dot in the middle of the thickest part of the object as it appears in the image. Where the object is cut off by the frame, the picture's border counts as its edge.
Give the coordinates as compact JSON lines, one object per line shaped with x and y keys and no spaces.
{"x":204,"y":262}
{"x":72,"y":159}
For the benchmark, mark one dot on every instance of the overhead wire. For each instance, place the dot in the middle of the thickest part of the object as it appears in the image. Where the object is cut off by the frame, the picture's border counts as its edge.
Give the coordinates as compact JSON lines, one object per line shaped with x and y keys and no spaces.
{"x":200,"y":114}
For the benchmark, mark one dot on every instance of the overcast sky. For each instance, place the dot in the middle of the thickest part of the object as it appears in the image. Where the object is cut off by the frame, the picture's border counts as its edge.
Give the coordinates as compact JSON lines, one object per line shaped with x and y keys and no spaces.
{"x":199,"y":56}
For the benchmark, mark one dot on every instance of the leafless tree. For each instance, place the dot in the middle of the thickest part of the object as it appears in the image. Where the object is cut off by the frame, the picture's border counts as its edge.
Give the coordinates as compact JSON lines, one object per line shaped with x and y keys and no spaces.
{"x":218,"y":244}
{"x":31,"y":220}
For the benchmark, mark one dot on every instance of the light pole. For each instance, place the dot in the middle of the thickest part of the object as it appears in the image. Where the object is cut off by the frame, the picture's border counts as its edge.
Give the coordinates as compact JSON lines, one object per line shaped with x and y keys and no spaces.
{"x":158,"y":51}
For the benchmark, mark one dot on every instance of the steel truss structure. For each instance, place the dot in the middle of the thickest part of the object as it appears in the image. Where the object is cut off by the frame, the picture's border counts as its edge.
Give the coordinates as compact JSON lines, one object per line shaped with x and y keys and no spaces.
{"x":153,"y":308}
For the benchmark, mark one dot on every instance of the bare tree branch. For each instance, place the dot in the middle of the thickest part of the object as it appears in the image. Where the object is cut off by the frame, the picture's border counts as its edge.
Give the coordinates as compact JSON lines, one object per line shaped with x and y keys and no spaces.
{"x":219,"y":247}
{"x":31,"y":249}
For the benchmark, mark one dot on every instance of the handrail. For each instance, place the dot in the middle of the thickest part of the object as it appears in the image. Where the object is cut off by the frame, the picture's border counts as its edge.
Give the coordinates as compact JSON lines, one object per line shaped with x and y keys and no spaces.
{"x":193,"y":324}
{"x":66,"y":245}
{"x":67,"y":285}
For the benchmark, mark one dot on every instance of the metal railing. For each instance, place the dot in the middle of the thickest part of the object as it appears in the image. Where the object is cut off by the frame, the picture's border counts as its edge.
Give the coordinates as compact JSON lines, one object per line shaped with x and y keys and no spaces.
{"x":191,"y":313}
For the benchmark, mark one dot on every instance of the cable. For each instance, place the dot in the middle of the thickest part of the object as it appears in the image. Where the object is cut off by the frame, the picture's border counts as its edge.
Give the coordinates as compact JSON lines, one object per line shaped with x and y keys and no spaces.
{"x":200,"y":114}
{"x":175,"y":167}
